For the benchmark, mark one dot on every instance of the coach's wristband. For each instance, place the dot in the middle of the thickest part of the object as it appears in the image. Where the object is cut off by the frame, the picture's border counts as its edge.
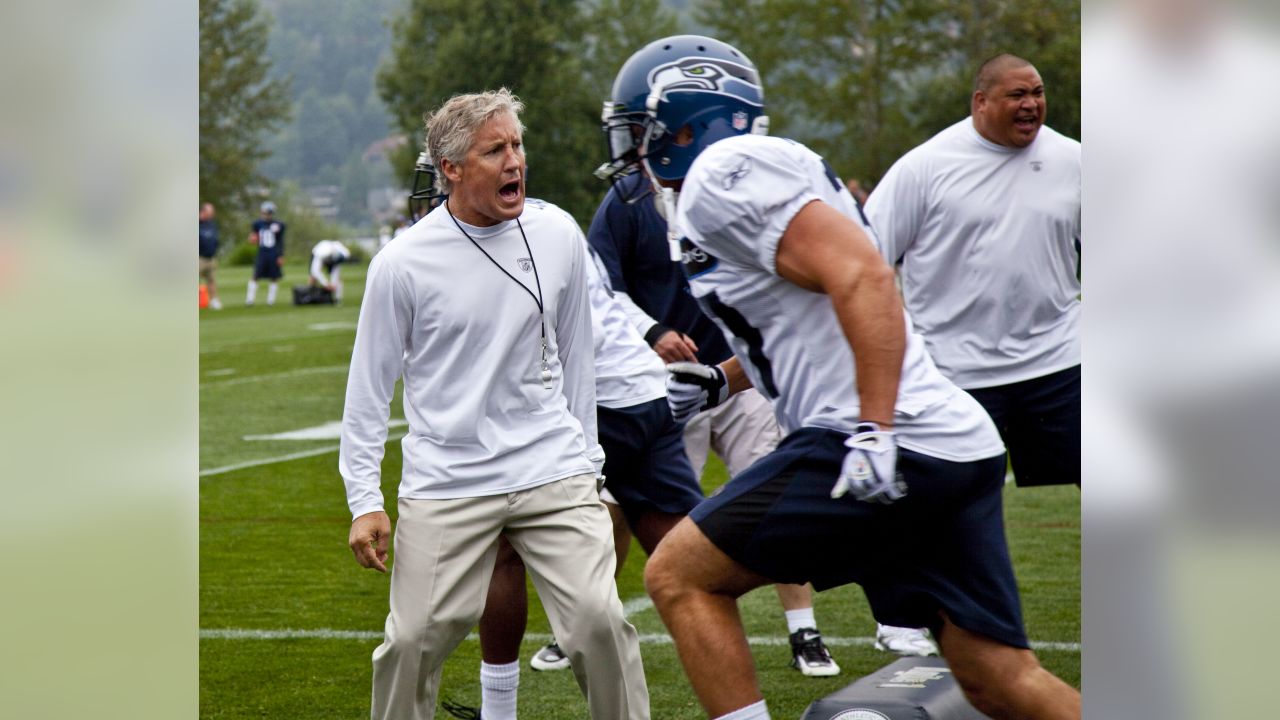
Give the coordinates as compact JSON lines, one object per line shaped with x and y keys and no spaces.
{"x":655,"y":332}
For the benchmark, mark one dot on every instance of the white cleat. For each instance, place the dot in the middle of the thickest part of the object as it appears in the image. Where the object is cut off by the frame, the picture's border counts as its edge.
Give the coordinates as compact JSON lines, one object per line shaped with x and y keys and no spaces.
{"x":905,"y":641}
{"x":550,"y":657}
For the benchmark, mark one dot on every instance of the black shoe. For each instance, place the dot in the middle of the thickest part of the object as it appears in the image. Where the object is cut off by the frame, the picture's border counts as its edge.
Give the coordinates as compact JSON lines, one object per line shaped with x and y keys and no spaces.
{"x":458,"y":710}
{"x":809,"y":654}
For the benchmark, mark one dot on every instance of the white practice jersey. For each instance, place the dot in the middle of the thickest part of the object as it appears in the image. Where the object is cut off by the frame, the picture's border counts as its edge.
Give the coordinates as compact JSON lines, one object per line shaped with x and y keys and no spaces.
{"x":628,"y":371}
{"x":326,"y":251}
{"x":987,"y":237}
{"x":738,"y":199}
{"x":466,"y":337}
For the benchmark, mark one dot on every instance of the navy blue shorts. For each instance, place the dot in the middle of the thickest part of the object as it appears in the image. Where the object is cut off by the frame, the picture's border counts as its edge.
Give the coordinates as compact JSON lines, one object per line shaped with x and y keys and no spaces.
{"x":266,"y":267}
{"x":645,"y":466}
{"x":1039,"y":420}
{"x":942,"y":547}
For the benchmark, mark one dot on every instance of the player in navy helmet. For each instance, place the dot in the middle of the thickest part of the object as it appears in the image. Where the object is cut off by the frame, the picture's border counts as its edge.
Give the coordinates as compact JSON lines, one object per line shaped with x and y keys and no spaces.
{"x":655,"y":76}
{"x":889,"y":476}
{"x":268,"y":235}
{"x":424,"y":196}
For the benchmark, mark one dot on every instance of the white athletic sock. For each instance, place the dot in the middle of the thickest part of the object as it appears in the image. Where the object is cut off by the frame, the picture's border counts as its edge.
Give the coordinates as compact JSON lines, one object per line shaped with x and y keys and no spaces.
{"x":253,"y":292}
{"x":802,"y":618}
{"x":754,"y":711}
{"x":271,"y":294}
{"x":498,"y":686}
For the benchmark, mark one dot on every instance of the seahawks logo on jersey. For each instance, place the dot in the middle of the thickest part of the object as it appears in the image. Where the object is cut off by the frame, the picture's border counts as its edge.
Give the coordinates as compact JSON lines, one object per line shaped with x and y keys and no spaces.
{"x":696,"y":260}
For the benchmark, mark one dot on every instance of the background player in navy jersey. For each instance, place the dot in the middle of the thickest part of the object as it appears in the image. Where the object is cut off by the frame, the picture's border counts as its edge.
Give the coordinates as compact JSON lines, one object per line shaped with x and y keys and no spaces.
{"x":268,"y":235}
{"x":885,"y":461}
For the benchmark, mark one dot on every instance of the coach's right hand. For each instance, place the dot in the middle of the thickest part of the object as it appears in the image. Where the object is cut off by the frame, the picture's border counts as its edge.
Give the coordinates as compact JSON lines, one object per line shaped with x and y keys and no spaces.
{"x":370,"y":535}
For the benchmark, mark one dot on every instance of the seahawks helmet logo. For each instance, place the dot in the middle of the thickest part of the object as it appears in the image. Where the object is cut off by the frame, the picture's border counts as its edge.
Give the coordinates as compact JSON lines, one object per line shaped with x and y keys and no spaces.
{"x":708,"y":75}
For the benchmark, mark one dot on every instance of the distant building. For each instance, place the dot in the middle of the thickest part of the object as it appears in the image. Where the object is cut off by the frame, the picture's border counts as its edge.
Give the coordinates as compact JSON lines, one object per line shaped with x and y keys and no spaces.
{"x":324,"y":200}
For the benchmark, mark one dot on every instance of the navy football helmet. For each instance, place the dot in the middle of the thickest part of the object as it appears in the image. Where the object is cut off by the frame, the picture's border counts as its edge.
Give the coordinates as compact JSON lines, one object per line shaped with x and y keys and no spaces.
{"x":682,"y":81}
{"x":423,"y":197}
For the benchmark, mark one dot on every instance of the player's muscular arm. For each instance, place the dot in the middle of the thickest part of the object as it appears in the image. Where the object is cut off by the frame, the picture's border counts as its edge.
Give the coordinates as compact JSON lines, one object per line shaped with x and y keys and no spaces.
{"x":734,"y":375}
{"x":824,"y":251}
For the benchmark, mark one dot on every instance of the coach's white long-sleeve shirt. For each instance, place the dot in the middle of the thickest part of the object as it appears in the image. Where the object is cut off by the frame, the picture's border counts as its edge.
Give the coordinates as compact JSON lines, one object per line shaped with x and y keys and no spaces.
{"x":467,"y":340}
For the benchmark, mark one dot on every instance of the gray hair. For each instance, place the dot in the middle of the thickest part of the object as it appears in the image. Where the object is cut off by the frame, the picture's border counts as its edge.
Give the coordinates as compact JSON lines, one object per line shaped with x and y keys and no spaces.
{"x":452,"y":128}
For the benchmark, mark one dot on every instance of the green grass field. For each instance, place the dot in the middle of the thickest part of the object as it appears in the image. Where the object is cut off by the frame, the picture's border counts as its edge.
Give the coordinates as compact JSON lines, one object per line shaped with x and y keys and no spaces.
{"x":288,"y":620}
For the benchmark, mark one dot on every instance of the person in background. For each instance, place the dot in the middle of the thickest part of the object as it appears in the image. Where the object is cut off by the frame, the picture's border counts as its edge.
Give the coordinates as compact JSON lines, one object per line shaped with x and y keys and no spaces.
{"x":209,"y":253}
{"x":268,"y":235}
{"x":326,"y":257}
{"x":984,"y":219}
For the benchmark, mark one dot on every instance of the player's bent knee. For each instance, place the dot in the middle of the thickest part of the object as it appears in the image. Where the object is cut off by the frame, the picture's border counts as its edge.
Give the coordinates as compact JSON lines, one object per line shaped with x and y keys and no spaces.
{"x":994,"y":682}
{"x":661,"y":580}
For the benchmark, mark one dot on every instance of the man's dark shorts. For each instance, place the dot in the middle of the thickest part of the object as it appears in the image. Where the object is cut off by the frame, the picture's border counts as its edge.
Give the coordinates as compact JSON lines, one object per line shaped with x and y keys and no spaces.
{"x":1039,"y":420}
{"x":942,"y":547}
{"x":645,"y":466}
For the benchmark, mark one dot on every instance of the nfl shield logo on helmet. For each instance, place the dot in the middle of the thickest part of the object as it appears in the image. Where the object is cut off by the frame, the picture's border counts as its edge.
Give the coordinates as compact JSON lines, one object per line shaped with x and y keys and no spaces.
{"x":739,"y":121}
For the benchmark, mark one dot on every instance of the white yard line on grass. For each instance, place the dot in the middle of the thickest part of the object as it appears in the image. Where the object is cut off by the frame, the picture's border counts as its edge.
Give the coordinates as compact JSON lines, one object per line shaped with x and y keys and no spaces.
{"x":268,"y":461}
{"x":274,"y":376}
{"x":540,"y":638}
{"x":282,"y":458}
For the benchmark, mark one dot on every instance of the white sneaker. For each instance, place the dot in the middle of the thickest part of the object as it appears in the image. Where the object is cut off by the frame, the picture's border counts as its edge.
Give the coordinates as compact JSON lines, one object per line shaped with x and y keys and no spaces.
{"x":550,"y":657}
{"x":216,"y":304}
{"x":905,"y":641}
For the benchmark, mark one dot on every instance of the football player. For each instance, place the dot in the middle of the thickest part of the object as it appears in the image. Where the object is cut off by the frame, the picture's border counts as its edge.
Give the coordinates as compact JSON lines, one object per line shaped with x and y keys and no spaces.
{"x":889,"y":475}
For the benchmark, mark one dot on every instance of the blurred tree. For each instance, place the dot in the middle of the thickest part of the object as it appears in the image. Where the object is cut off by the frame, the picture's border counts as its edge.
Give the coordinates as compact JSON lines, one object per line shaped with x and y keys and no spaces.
{"x":239,"y":104}
{"x":331,"y":49}
{"x":537,"y":48}
{"x":618,"y":28}
{"x":1045,"y":32}
{"x":864,"y":82}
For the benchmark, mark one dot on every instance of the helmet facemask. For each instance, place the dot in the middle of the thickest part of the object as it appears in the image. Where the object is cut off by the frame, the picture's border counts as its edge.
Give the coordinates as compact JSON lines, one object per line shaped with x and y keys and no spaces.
{"x":624,"y":135}
{"x":423,"y":197}
{"x":681,"y":80}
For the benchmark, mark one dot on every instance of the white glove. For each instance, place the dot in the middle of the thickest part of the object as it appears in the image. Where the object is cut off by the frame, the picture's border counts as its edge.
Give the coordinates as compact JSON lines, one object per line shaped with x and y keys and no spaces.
{"x":870,"y":468}
{"x":693,"y":387}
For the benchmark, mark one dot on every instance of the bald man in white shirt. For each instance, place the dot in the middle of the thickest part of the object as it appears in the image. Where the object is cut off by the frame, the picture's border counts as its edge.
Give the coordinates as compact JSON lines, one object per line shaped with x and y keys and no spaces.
{"x":984,"y":220}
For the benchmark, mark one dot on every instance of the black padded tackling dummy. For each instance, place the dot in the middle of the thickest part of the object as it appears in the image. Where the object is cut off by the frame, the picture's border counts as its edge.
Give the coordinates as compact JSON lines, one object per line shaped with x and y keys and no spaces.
{"x":311,"y":295}
{"x":910,"y":688}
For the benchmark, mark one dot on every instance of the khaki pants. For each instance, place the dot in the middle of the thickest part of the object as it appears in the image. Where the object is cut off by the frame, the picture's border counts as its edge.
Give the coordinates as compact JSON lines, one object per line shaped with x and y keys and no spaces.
{"x":207,"y":266}
{"x":443,"y":561}
{"x":741,"y":431}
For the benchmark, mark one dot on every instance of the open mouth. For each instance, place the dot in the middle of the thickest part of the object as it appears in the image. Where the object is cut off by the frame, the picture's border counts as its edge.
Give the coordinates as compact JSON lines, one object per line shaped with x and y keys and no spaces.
{"x":510,"y":192}
{"x":1026,"y":122}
